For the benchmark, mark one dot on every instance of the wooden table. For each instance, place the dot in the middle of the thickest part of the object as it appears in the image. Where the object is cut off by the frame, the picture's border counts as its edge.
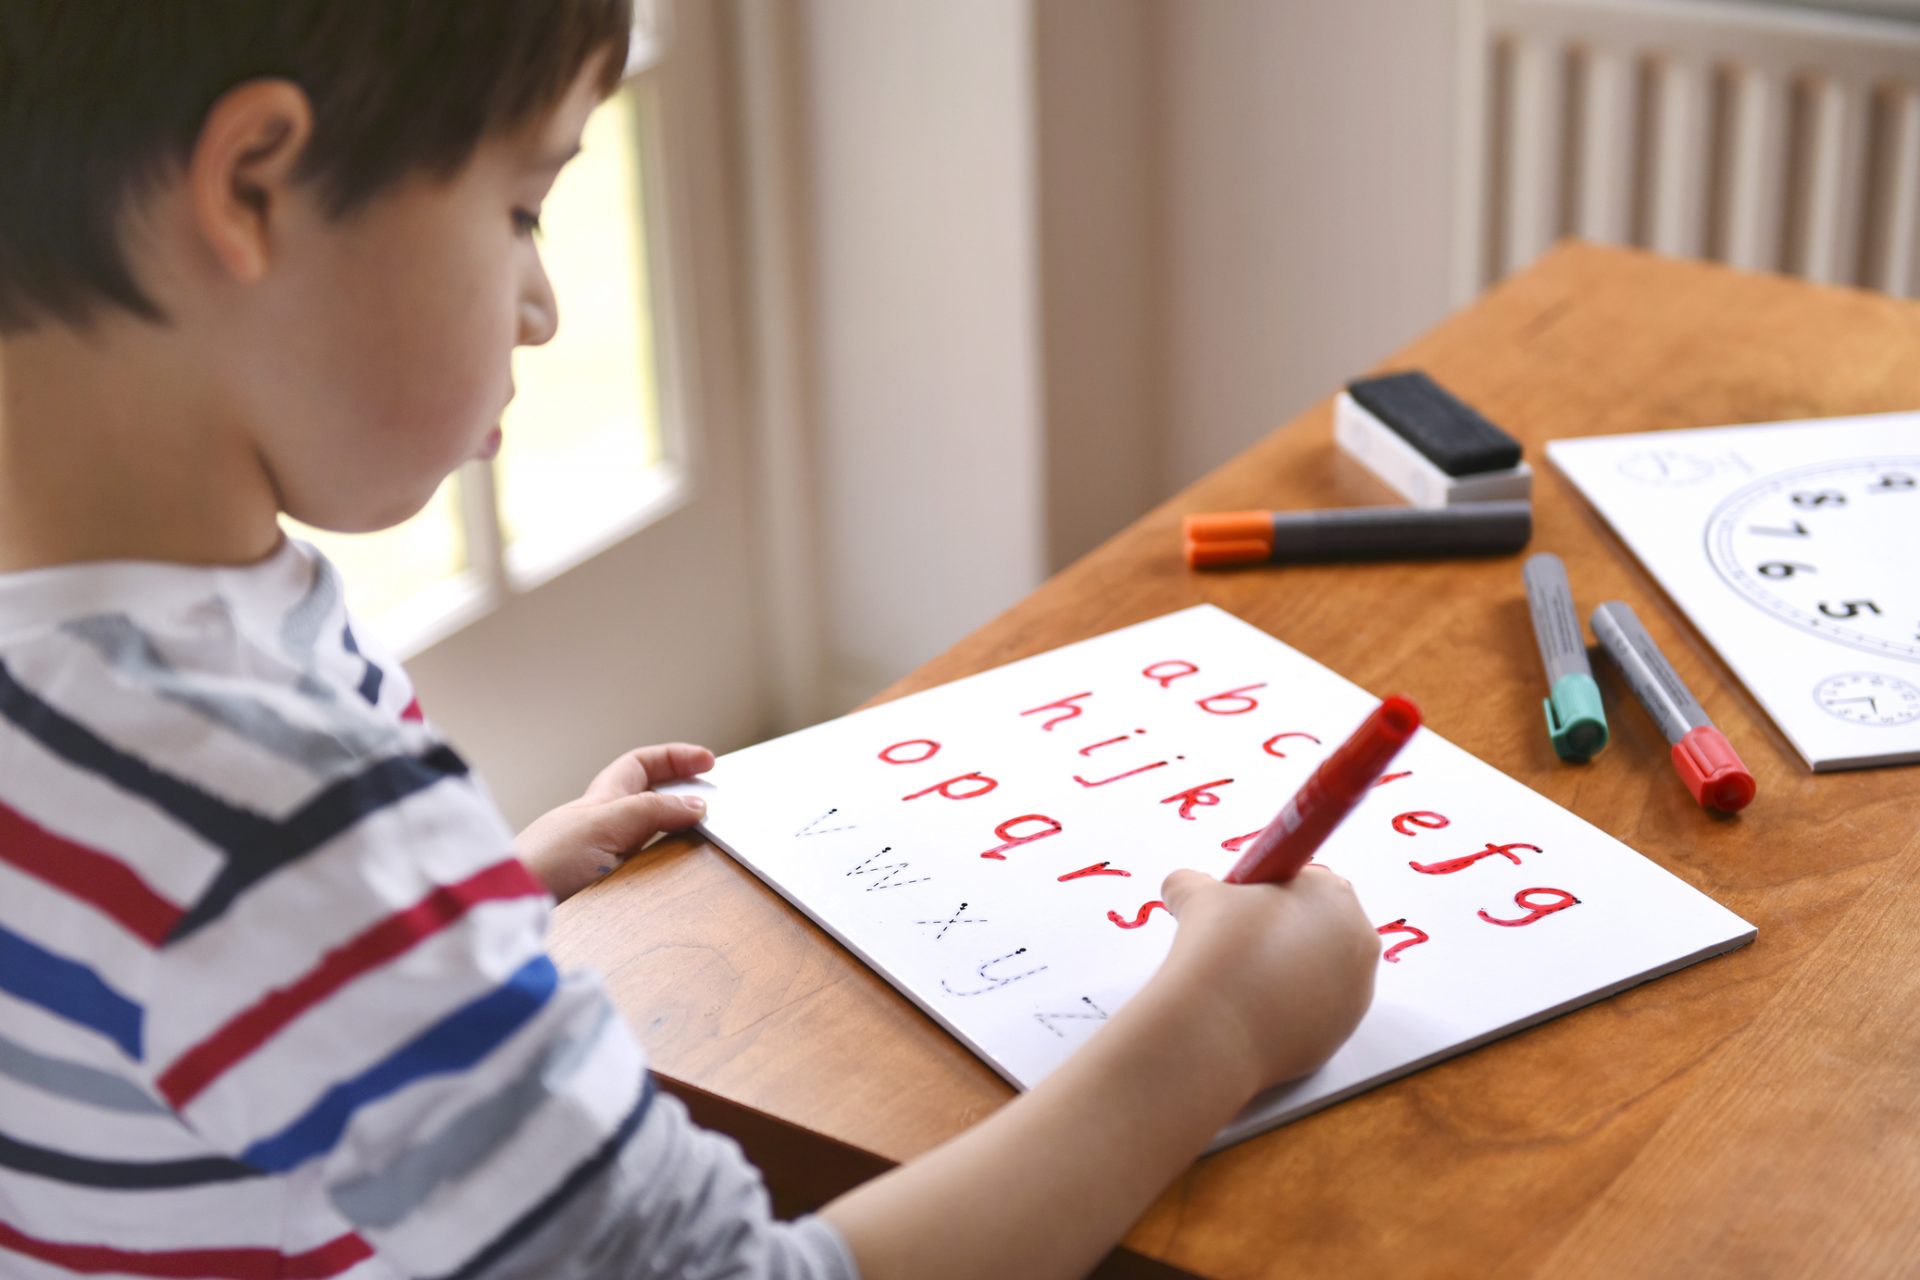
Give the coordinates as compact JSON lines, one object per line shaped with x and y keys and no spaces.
{"x":1754,"y":1115}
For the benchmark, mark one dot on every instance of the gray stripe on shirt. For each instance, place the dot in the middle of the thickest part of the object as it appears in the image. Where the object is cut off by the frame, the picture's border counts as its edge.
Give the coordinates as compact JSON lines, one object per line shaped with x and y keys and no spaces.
{"x":680,"y":1203}
{"x":383,"y":1199}
{"x":342,"y":747}
{"x":75,"y":1080}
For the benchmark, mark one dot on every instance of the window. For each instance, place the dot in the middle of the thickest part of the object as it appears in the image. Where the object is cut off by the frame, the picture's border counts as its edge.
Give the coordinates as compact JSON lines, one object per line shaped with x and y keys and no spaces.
{"x":584,"y":460}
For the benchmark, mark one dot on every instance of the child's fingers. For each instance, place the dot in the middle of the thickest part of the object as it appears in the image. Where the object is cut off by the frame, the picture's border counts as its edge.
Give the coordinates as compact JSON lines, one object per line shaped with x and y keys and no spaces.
{"x":1180,"y":886}
{"x":638,"y":819}
{"x":646,"y":767}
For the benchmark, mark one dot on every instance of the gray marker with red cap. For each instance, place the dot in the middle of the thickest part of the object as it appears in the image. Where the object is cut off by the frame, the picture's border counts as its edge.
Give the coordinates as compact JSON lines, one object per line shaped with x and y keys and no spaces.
{"x":1701,"y":753}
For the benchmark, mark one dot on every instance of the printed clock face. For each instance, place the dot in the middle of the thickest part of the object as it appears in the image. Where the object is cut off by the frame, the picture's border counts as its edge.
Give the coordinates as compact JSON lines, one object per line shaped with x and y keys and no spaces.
{"x":1862,"y":697}
{"x":1833,"y":549}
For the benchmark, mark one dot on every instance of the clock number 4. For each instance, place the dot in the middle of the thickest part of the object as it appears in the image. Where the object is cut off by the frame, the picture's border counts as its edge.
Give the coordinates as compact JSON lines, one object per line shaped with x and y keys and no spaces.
{"x":1850,"y":608}
{"x":1798,"y":531}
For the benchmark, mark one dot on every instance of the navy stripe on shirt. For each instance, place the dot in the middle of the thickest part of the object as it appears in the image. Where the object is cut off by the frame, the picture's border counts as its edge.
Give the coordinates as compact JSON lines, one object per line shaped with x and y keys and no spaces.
{"x":256,"y":846}
{"x":121,"y":1174}
{"x":589,"y":1169}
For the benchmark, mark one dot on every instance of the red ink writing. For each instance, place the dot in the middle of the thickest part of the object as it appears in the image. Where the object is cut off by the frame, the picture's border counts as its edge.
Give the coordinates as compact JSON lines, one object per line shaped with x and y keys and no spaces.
{"x":951,"y":788}
{"x":1418,"y":818}
{"x":1556,"y":900}
{"x":1116,"y":777}
{"x":1167,"y":672}
{"x":933,"y":749}
{"x":1271,"y":750}
{"x":1393,"y":777}
{"x":1238,"y":843}
{"x":1066,"y":706}
{"x":1392,"y":955}
{"x":1005,"y":832}
{"x":1097,"y":869}
{"x":1451,"y":865}
{"x":1234,"y":702}
{"x":1087,"y":751}
{"x":1140,"y":918}
{"x":1200,"y":796}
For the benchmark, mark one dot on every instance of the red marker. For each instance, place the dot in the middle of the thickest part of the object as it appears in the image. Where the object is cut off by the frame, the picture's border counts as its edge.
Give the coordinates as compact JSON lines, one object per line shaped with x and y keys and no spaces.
{"x":1329,"y":794}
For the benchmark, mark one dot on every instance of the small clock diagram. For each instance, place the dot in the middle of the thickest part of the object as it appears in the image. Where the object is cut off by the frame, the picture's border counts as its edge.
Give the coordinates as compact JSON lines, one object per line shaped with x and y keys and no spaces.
{"x":1860,"y":697}
{"x":1831,"y":549}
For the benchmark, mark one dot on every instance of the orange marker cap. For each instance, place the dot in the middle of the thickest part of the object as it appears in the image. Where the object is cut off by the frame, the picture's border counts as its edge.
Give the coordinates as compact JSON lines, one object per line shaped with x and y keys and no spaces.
{"x":1214,"y":555}
{"x":1231,"y":526}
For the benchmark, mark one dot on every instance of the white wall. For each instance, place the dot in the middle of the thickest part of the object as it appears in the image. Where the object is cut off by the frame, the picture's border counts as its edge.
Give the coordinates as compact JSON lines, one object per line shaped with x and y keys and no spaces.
{"x":1308,"y":156}
{"x":1066,"y":255}
{"x":927,"y":411}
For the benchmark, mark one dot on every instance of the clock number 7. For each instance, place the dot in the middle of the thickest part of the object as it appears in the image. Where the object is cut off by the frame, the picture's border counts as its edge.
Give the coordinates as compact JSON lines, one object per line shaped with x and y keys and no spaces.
{"x":1851,"y":606}
{"x":1798,"y":531}
{"x":1784,"y":569}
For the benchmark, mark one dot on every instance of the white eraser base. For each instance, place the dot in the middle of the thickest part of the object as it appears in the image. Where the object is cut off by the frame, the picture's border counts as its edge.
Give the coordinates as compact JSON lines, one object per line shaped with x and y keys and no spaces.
{"x":1408,"y":472}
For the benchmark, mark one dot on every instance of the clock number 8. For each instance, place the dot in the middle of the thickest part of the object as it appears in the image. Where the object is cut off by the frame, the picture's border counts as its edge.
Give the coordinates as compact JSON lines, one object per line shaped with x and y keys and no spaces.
{"x":1851,"y":606}
{"x":1820,"y":499}
{"x":1784,"y":569}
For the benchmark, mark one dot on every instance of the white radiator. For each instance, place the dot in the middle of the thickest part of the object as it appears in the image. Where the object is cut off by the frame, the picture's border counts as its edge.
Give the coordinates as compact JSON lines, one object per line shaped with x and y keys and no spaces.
{"x":1765,"y":137}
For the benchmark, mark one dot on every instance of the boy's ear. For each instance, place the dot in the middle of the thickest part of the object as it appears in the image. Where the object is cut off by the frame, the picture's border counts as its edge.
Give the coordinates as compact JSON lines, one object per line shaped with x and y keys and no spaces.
{"x":241,"y":171}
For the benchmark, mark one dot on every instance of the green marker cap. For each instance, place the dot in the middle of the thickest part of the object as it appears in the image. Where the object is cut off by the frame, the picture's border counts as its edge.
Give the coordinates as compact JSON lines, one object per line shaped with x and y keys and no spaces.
{"x":1576,"y":720}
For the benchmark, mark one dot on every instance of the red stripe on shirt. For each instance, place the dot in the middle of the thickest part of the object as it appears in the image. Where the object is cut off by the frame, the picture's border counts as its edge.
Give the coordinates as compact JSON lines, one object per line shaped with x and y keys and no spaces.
{"x":104,"y":883}
{"x":412,"y":711}
{"x":330,"y":1259}
{"x":247,"y":1030}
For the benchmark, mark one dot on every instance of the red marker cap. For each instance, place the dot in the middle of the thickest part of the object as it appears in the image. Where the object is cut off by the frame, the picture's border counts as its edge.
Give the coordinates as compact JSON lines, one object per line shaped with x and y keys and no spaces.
{"x":1712,"y":771}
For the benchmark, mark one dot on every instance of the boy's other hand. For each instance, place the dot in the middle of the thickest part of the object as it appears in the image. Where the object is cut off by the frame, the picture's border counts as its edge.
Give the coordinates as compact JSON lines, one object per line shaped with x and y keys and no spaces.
{"x":570,"y":847}
{"x":1289,"y":968}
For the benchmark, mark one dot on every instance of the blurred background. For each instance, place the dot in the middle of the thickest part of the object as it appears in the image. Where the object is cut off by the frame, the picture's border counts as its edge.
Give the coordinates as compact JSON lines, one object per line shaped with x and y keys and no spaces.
{"x":875,"y":313}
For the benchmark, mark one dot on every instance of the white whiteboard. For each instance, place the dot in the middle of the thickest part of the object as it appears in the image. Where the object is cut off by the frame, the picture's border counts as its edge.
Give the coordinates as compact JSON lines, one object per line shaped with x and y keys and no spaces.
{"x":875,"y":825}
{"x":1794,"y":548}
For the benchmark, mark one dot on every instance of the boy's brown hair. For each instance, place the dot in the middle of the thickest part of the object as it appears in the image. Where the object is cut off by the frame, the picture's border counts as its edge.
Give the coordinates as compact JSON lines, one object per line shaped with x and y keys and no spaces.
{"x":100,"y":99}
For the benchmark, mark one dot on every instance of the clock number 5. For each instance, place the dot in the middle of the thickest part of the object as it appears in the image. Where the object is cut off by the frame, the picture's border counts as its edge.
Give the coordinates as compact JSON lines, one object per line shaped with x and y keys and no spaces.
{"x":1784,"y":569}
{"x":1823,"y":497}
{"x":1851,"y":607}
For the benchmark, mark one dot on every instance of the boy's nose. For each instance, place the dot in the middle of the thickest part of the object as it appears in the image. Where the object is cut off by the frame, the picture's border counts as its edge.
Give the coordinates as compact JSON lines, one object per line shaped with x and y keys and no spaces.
{"x":539,"y":315}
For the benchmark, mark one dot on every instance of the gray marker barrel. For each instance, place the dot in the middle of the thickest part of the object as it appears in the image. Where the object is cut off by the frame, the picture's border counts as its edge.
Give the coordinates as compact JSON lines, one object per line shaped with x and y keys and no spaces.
{"x":1368,"y":533}
{"x":1672,"y":706}
{"x":1563,"y":650}
{"x":1576,"y":720}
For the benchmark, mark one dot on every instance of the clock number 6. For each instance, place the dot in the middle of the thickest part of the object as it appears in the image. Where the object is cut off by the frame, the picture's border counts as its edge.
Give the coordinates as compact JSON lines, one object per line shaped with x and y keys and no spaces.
{"x":1784,"y":569}
{"x":1851,"y":606}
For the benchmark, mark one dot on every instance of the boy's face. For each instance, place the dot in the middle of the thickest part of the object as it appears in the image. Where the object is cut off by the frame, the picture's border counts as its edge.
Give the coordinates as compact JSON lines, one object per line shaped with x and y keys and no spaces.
{"x":379,"y":358}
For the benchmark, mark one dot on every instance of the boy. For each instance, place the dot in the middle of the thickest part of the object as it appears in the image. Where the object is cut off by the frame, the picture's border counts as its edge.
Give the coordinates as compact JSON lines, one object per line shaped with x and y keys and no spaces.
{"x":273,"y":997}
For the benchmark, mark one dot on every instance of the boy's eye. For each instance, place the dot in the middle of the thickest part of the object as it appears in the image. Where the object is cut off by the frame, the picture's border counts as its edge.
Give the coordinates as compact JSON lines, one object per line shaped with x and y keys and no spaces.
{"x":526,"y":222}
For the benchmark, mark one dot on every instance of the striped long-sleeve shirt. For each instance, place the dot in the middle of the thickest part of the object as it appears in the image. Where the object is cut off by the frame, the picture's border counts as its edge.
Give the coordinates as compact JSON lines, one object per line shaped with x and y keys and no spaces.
{"x":274,"y":998}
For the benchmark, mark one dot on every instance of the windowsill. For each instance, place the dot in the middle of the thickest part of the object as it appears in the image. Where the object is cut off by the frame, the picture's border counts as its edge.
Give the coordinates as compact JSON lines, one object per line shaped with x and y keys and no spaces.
{"x":448,"y":607}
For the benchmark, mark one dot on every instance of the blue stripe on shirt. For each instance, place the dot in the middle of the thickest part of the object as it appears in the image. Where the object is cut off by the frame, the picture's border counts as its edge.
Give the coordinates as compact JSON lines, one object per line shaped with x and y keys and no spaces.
{"x":69,"y":989}
{"x":455,"y":1043}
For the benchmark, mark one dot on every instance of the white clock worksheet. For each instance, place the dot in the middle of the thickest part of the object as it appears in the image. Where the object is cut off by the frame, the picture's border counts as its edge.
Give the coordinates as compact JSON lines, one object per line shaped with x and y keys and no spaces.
{"x":1794,"y":547}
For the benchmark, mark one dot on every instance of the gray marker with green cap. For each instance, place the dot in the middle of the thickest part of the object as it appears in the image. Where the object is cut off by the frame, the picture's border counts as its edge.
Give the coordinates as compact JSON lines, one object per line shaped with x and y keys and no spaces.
{"x":1576,"y":722}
